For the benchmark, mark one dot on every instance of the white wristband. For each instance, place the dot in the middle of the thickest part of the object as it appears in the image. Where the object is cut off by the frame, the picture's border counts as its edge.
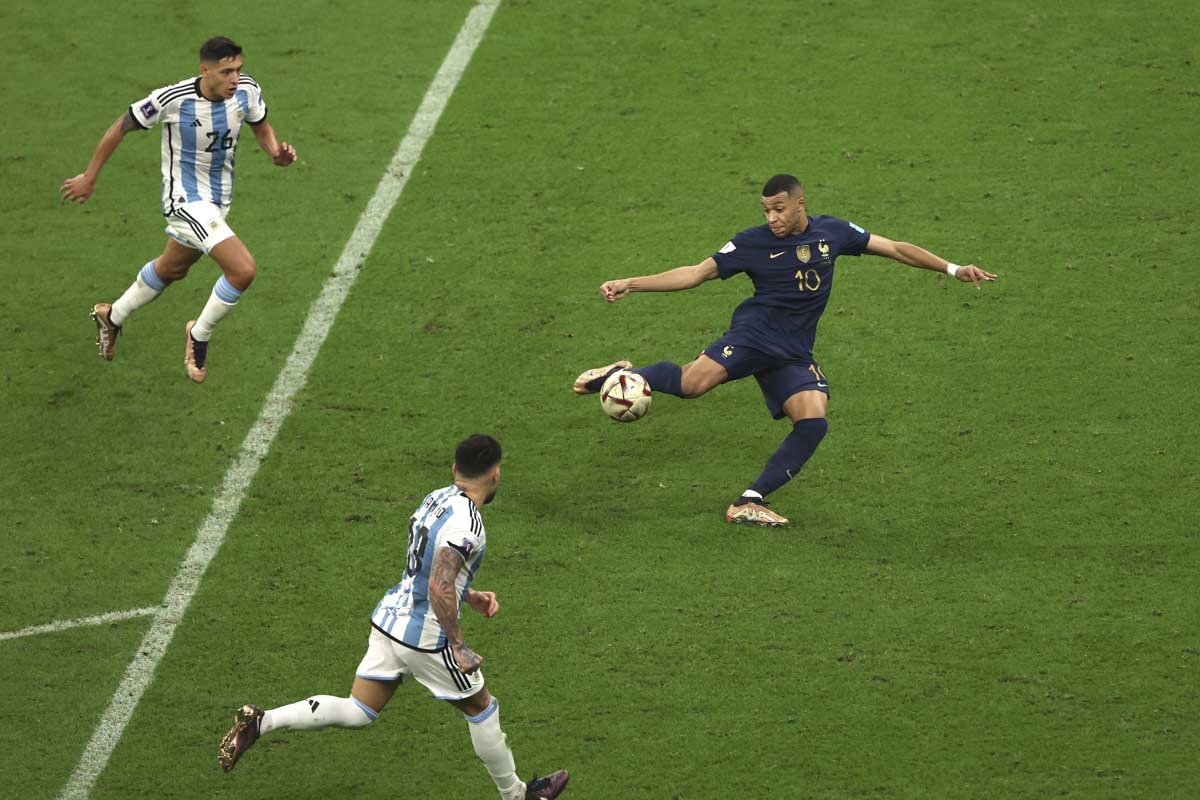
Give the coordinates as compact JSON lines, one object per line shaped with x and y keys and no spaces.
{"x":952,"y":269}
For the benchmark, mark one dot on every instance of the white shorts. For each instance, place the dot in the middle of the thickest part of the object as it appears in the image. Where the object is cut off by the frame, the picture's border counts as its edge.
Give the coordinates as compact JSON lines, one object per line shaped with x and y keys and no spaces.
{"x":198,"y":225}
{"x":388,"y":660}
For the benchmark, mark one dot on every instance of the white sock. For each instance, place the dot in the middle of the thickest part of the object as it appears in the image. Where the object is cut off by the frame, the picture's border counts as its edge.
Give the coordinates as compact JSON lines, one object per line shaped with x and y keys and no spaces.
{"x":145,"y":288}
{"x":222,"y":300}
{"x":753,"y":495}
{"x":318,"y":711}
{"x":491,"y":745}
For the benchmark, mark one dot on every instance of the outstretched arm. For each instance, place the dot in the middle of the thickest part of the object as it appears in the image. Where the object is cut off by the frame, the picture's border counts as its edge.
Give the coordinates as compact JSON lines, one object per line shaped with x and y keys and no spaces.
{"x":672,"y":280}
{"x":80,"y":188}
{"x":281,"y":153}
{"x":443,"y":597}
{"x":914,"y":256}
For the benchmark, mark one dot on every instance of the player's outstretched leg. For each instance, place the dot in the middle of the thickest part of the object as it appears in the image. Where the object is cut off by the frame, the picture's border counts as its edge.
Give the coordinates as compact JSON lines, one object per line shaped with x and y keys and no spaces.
{"x":784,"y":464}
{"x":195,"y":355}
{"x":590,"y":381}
{"x":109,"y":318}
{"x":314,"y":713}
{"x":241,"y":736}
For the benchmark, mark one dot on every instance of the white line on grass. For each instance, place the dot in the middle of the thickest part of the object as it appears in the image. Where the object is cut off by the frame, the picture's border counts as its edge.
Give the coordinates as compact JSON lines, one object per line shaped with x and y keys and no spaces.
{"x":278,"y":404}
{"x":62,"y":625}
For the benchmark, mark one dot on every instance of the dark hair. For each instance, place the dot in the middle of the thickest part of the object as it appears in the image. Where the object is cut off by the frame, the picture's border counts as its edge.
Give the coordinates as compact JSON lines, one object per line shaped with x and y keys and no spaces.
{"x":476,"y":454}
{"x":218,"y":48}
{"x":782,"y":183}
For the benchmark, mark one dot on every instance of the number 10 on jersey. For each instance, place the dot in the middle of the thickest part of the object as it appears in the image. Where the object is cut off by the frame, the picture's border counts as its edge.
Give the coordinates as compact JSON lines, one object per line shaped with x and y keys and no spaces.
{"x":809,"y":279}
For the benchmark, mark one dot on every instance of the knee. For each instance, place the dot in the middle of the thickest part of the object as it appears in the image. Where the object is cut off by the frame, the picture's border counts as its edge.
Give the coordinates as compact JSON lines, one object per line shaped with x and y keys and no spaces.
{"x":170,"y":272}
{"x":242,"y":275}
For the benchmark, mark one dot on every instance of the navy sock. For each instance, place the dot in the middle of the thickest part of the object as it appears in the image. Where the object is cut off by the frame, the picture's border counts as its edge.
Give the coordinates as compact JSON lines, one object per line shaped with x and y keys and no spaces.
{"x":796,"y":449}
{"x":663,"y":377}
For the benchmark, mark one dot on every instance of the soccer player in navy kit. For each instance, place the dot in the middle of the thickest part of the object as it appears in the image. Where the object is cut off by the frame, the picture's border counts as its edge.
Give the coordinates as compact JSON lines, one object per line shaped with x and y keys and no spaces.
{"x":790,"y":261}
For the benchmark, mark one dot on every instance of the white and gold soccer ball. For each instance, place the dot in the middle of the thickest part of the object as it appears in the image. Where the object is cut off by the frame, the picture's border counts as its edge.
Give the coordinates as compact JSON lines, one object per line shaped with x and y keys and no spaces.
{"x":625,"y":396}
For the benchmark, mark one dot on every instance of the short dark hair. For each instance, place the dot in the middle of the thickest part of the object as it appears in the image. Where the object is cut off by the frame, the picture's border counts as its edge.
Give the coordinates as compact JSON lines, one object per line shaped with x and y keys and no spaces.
{"x":218,"y":48}
{"x":476,"y":455}
{"x":782,"y":183}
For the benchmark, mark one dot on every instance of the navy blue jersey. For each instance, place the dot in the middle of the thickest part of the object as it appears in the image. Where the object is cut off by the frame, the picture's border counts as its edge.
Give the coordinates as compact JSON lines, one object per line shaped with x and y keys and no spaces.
{"x":792,"y":279}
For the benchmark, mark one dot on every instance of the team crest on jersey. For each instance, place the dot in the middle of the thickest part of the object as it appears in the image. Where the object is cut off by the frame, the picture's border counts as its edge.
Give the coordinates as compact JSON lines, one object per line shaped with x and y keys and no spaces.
{"x":803,"y":253}
{"x":823,"y":247}
{"x":727,"y":351}
{"x":148,"y":110}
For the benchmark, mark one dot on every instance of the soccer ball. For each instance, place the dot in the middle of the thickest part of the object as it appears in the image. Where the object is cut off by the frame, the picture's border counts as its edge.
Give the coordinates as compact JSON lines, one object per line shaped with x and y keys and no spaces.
{"x":625,"y":396}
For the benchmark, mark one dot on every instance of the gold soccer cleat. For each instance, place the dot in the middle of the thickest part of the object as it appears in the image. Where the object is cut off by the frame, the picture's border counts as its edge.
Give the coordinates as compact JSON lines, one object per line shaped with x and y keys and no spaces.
{"x":195,"y":356}
{"x":754,"y":513}
{"x":591,"y":380}
{"x":243,"y":734}
{"x":106,"y":332}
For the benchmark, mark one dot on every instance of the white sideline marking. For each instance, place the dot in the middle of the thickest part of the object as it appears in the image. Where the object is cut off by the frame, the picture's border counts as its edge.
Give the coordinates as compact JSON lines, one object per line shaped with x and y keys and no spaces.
{"x":275,"y":409}
{"x":62,"y":625}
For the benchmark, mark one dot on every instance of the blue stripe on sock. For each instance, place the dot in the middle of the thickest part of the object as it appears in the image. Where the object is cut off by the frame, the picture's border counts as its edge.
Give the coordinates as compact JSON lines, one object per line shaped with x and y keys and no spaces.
{"x":150,"y":277}
{"x":371,"y":713}
{"x":225,"y":291}
{"x":492,"y":708}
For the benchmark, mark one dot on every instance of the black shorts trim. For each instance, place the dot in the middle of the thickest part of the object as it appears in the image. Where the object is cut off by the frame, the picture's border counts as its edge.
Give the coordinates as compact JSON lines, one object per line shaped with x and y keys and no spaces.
{"x":406,"y":644}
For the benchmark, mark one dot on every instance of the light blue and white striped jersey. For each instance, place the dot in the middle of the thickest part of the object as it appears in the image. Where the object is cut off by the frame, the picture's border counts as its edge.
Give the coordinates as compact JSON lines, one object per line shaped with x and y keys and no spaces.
{"x":446,"y":518}
{"x":199,"y":138}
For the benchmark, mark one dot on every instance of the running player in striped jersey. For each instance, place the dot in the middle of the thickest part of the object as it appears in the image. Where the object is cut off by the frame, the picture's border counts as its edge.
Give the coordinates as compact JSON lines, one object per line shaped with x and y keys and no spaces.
{"x":415,"y":633}
{"x":201,"y":121}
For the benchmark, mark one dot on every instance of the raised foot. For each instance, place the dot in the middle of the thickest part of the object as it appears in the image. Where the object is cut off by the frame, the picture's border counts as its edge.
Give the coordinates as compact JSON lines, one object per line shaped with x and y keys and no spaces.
{"x":241,"y":736}
{"x":590,"y":381}
{"x":106,"y":332}
{"x":548,"y":787}
{"x":195,"y":355}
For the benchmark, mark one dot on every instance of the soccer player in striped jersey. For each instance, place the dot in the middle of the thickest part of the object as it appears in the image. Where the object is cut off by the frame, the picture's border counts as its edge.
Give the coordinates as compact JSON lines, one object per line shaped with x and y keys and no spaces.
{"x":415,"y":633}
{"x":201,"y":121}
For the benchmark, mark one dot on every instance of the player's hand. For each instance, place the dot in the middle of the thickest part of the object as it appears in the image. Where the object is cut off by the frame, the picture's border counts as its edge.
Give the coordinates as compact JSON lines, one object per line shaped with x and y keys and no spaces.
{"x":78,"y":189}
{"x":614,"y":290}
{"x":285,"y":156}
{"x":973,"y":274}
{"x":467,"y":659}
{"x":484,"y":602}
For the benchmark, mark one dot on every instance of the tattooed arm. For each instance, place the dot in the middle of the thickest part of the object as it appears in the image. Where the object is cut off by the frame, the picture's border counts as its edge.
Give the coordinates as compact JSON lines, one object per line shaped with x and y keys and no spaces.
{"x":443,"y":596}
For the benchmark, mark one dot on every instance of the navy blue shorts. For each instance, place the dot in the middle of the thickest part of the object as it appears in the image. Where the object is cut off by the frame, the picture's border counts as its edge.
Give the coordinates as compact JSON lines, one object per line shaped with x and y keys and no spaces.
{"x":778,"y":379}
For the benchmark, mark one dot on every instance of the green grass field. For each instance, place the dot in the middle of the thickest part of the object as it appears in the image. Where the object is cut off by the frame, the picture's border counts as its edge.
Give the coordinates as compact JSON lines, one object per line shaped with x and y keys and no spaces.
{"x":989,"y":589}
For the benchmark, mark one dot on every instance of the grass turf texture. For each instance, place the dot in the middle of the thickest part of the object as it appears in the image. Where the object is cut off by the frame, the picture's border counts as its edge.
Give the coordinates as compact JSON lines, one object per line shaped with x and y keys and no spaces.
{"x":988,"y":585}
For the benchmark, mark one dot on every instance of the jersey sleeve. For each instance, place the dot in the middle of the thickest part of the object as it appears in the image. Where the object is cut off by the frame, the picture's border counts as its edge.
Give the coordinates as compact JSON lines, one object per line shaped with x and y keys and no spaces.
{"x":255,"y":108}
{"x":462,"y":532}
{"x":148,"y":111}
{"x":733,"y":258}
{"x":855,"y":238}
